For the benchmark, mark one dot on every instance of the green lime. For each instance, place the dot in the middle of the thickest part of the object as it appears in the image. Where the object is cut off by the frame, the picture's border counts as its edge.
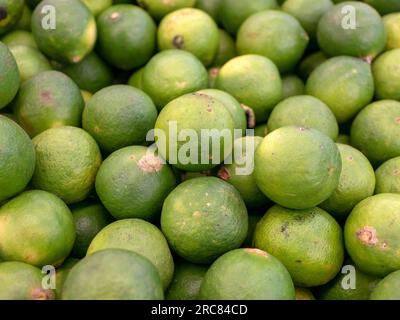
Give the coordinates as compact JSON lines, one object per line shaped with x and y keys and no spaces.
{"x":10,"y":76}
{"x":388,"y":177}
{"x":386,"y":76}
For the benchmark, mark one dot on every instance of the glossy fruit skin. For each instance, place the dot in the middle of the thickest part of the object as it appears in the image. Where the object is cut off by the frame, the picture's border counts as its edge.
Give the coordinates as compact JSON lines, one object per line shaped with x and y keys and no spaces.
{"x":372,"y":236}
{"x":90,"y":218}
{"x":196,"y":112}
{"x":192,"y":30}
{"x":118,"y":44}
{"x":19,"y":37}
{"x":30,"y":61}
{"x":91,"y":74}
{"x":9,"y":72}
{"x":306,"y":111}
{"x":158,"y":9}
{"x":261,"y":34}
{"x":308,"y":242}
{"x":133,"y":183}
{"x":186,"y":282}
{"x":335,"y":40}
{"x":67,"y":160}
{"x":392,"y":27}
{"x":387,"y":177}
{"x":351,"y":77}
{"x":74,"y":35}
{"x":388,"y":288}
{"x":48,"y":100}
{"x":384,"y":6}
{"x":244,"y":182}
{"x":386,"y":75}
{"x":292,"y":86}
{"x":254,"y":81}
{"x":140,"y":237}
{"x":297,"y":167}
{"x":17,"y":158}
{"x":172,"y":73}
{"x":335,"y":289}
{"x":308,"y":12}
{"x":374,"y":131}
{"x":21,"y":281}
{"x":247,"y":274}
{"x":113,"y":274}
{"x":356,"y":182}
{"x":11,"y":12}
{"x":204,"y":219}
{"x":37,"y":229}
{"x":118,"y":116}
{"x":233,"y":13}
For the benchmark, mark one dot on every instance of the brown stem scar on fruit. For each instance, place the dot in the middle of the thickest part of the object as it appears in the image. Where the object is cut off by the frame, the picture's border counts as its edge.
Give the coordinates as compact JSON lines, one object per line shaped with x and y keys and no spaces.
{"x":3,"y":13}
{"x":367,"y":235}
{"x":257,"y":252}
{"x":214,"y":72}
{"x":368,"y":59}
{"x":397,"y":119}
{"x":150,"y":163}
{"x":42,"y":294}
{"x":224,"y":174}
{"x":250,"y":115}
{"x":115,"y":15}
{"x":197,"y":214}
{"x":178,"y":41}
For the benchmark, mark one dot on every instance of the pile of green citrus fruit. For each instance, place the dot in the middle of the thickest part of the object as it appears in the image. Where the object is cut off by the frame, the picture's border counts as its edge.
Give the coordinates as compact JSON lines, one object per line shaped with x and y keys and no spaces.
{"x":200,"y":149}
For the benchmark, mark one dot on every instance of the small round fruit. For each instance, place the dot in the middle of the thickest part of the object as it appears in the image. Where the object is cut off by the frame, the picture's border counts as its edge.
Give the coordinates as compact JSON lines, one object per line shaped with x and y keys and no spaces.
{"x":310,"y":63}
{"x":48,"y":100}
{"x":247,"y":274}
{"x":388,"y":177}
{"x":386,"y":75}
{"x":119,"y":116}
{"x":212,"y":221}
{"x":235,"y":109}
{"x":392,"y":27}
{"x":67,"y":160}
{"x":372,"y":234}
{"x":341,"y":287}
{"x":24,"y":23}
{"x":30,"y":61}
{"x":253,"y":80}
{"x":203,"y":119}
{"x":17,"y":158}
{"x":113,"y":274}
{"x":304,"y":294}
{"x":19,"y":38}
{"x":240,"y":172}
{"x":62,"y":273}
{"x":261,"y":130}
{"x":343,"y":139}
{"x":345,"y":84}
{"x":90,"y":218}
{"x":21,"y":281}
{"x":37,"y":228}
{"x":133,"y":183}
{"x":308,"y":242}
{"x":308,"y":12}
{"x":305,"y":111}
{"x":127,"y":36}
{"x":97,"y":6}
{"x":91,"y":74}
{"x":160,"y":8}
{"x":356,"y":182}
{"x":388,"y":288}
{"x":233,"y":13}
{"x":172,"y":73}
{"x":64,"y":30}
{"x":297,"y":167}
{"x":10,"y":13}
{"x":226,"y":49}
{"x":212,"y":7}
{"x":375,"y":130}
{"x":191,"y":30}
{"x":140,"y":237}
{"x":351,"y":28}
{"x":261,"y":34}
{"x":9,"y":76}
{"x":135,"y":79}
{"x":186,"y":282}
{"x":292,"y":86}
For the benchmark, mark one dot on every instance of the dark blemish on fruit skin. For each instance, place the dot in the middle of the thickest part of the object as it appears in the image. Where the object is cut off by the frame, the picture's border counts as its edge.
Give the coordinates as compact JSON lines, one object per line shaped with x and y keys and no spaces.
{"x":396,"y":172}
{"x":178,"y":42}
{"x":223,"y":174}
{"x":367,"y":235}
{"x":397,"y":120}
{"x":350,"y":158}
{"x":284,"y":230}
{"x":46,"y":96}
{"x":3,"y":13}
{"x":298,"y":261}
